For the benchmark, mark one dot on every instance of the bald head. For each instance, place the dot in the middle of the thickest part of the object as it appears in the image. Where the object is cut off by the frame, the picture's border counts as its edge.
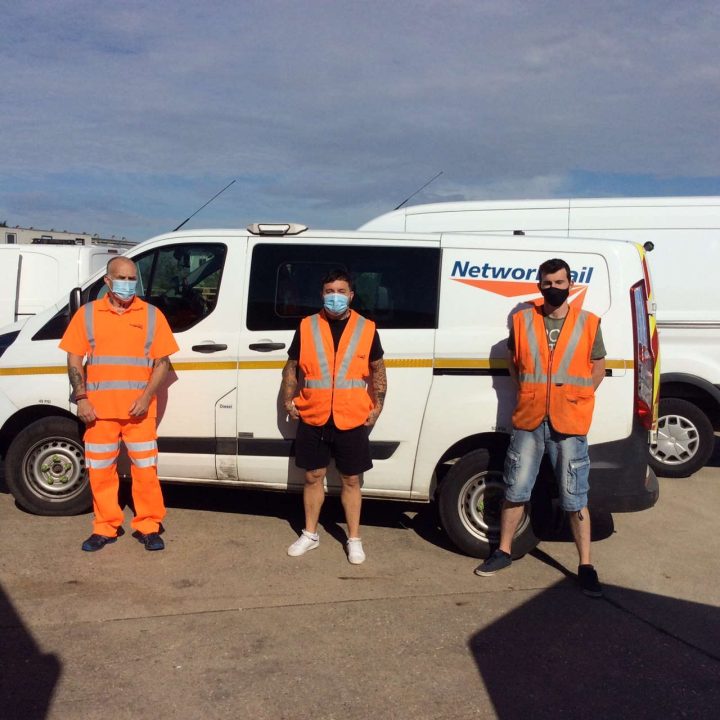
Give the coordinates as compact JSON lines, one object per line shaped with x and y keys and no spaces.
{"x":121,"y":267}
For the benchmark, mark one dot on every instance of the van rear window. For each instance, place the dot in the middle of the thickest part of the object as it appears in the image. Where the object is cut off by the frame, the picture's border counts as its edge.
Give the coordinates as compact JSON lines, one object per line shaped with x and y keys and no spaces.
{"x":397,"y":287}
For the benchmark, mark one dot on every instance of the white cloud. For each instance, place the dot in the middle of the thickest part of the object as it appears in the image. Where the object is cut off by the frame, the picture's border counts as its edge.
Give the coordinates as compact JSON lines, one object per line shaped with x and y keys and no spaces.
{"x":333,"y":108}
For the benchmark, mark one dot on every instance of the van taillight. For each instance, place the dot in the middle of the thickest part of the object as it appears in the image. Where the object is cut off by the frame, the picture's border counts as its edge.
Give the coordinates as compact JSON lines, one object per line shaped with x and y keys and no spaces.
{"x":645,"y":354}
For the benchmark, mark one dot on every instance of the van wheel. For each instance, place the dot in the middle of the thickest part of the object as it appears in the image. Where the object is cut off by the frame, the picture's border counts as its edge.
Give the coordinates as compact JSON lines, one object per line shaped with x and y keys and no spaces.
{"x":685,"y":439}
{"x":471,"y":498}
{"x":45,"y":468}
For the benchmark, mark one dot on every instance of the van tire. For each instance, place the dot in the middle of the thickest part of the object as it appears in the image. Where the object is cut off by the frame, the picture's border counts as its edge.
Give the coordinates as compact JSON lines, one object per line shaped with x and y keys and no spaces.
{"x":471,"y":497}
{"x":45,"y":468}
{"x":685,"y":439}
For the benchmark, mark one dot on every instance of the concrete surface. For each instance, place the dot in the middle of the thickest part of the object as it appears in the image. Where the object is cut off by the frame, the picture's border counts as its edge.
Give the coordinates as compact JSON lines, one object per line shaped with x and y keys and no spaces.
{"x":223,"y":624}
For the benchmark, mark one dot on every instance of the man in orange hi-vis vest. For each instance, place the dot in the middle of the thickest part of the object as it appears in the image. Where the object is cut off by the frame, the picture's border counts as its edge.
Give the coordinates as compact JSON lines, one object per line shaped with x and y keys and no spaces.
{"x":338,"y":352}
{"x":127,"y":343}
{"x":557,"y":361}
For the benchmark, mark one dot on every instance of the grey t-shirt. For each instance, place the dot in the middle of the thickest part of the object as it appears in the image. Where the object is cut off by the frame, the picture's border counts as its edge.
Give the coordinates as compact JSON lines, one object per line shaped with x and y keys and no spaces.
{"x":552,"y":330}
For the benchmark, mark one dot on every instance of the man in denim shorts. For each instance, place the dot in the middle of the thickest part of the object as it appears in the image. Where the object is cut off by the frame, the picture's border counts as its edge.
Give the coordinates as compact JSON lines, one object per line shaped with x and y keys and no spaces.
{"x":557,"y":360}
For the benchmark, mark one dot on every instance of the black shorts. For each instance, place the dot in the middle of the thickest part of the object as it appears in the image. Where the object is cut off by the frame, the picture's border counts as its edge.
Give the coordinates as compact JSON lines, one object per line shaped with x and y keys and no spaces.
{"x":315,"y":444}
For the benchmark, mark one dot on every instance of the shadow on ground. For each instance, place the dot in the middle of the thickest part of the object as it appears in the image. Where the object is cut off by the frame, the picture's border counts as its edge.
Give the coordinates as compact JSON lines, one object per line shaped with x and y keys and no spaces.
{"x":27,"y":675}
{"x":561,"y":655}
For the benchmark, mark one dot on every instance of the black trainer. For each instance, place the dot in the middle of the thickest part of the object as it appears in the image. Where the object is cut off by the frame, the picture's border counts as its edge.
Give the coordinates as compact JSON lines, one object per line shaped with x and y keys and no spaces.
{"x":499,"y":560}
{"x":151,"y":541}
{"x":97,"y":542}
{"x":588,"y":579}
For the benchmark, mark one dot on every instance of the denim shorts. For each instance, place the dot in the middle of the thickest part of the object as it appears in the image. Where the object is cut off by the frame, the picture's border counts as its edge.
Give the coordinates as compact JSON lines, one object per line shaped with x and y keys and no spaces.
{"x":568,"y":456}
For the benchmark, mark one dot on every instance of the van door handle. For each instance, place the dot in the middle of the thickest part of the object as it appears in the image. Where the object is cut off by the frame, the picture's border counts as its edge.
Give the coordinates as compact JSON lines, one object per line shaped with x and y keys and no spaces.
{"x":209,"y":348}
{"x":266,"y":346}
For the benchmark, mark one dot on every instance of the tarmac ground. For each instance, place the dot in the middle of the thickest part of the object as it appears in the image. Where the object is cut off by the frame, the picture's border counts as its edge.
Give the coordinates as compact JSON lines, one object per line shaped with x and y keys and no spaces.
{"x":223,"y":624}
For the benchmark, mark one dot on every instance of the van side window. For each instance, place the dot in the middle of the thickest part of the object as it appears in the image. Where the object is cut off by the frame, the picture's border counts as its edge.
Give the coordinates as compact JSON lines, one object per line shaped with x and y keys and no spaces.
{"x":396,"y":287}
{"x":181,"y":280}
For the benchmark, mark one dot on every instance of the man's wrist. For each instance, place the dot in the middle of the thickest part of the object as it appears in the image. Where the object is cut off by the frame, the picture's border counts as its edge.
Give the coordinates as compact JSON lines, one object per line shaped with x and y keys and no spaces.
{"x":80,"y":396}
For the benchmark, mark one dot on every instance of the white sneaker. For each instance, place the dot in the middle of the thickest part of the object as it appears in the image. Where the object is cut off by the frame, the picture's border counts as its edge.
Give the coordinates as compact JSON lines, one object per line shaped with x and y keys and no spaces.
{"x":355,"y":551}
{"x":306,"y":541}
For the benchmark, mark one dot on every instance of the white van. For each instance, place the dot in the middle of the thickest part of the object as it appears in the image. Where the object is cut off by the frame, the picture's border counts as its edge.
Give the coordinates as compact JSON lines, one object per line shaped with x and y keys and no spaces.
{"x":235,"y":297}
{"x":33,"y":277}
{"x":685,"y":233}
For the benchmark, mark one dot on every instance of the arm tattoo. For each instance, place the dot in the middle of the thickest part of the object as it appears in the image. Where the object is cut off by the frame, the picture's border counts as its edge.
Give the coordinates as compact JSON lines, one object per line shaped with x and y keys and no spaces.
{"x":77,"y":381}
{"x":379,"y":381}
{"x":289,"y":384}
{"x":161,"y":361}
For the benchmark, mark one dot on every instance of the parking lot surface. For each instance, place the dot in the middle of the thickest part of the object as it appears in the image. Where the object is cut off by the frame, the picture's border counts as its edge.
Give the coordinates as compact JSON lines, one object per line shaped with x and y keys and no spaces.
{"x":223,"y":624}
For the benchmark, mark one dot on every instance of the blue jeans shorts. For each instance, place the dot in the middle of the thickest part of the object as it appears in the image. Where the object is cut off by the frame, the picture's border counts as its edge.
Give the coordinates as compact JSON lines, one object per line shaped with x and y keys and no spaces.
{"x":568,"y":456}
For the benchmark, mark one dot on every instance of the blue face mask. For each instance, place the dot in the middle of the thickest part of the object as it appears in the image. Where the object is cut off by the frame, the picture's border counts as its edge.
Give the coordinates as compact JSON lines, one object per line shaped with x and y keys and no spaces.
{"x":124,"y":289}
{"x":336,"y":303}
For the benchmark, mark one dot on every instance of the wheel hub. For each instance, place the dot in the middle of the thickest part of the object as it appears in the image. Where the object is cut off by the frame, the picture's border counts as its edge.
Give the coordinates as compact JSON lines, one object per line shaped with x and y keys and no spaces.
{"x":678,"y":440}
{"x":55,"y":468}
{"x":480,"y":506}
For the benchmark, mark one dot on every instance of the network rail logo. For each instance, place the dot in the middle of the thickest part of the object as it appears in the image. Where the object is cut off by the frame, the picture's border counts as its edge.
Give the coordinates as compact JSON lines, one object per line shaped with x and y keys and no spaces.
{"x":513,"y":281}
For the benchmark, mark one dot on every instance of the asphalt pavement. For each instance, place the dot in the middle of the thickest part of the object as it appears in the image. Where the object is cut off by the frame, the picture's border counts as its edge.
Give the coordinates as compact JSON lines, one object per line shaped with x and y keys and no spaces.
{"x":223,"y":624}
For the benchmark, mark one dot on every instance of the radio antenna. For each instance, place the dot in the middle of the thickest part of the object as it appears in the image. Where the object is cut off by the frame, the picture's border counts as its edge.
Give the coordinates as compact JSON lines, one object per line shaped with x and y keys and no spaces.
{"x":434,"y":177}
{"x":207,"y":203}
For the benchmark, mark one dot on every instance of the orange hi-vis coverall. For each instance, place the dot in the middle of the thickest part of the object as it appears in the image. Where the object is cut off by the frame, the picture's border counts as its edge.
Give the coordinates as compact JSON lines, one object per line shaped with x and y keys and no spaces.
{"x":121,"y":349}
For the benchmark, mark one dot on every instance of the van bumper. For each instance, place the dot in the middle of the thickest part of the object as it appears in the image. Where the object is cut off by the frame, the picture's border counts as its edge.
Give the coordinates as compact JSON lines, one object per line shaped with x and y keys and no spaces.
{"x":621,"y":479}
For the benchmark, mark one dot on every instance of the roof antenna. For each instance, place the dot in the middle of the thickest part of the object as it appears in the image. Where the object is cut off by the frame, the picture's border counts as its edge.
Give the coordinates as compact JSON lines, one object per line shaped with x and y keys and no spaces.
{"x":207,"y":203}
{"x":435,"y":177}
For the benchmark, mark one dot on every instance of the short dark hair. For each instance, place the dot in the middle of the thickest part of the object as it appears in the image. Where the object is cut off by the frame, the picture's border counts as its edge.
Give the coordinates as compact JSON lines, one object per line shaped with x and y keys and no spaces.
{"x":338,"y":274}
{"x":552,"y":266}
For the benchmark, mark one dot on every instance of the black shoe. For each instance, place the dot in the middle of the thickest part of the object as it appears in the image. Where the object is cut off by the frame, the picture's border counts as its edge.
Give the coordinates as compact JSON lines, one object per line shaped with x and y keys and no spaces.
{"x":588,"y":579}
{"x":499,"y":560}
{"x":151,"y":541}
{"x":98,"y":542}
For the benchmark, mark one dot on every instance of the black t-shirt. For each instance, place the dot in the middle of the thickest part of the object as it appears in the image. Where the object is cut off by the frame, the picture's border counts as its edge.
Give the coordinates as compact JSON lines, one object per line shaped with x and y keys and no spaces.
{"x":336,"y":328}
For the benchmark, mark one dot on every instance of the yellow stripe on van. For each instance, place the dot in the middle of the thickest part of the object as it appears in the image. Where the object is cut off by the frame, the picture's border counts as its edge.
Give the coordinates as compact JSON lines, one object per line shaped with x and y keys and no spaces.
{"x":219,"y":365}
{"x":409,"y":362}
{"x":477,"y":363}
{"x":442,"y":363}
{"x":47,"y":370}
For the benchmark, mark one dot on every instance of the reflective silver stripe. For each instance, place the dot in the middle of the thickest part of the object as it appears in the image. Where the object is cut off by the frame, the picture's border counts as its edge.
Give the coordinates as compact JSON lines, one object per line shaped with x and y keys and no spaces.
{"x":150,"y":328}
{"x":90,"y":325}
{"x":117,"y":385}
{"x":341,"y":380}
{"x":102,"y":448}
{"x":94,"y":464}
{"x":561,"y":377}
{"x":144,"y":462}
{"x":141,"y":446}
{"x":538,"y":375}
{"x":119,"y":360}
{"x":325,"y":381}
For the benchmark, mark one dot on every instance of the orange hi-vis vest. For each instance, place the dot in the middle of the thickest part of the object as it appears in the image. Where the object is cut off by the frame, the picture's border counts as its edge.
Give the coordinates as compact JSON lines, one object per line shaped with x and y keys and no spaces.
{"x":556,"y":384}
{"x":119,"y":368}
{"x":335,"y":382}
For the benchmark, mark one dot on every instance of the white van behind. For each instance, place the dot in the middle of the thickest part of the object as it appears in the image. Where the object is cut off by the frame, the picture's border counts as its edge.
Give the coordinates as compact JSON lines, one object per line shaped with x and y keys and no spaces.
{"x":685,"y":233}
{"x":234,"y":298}
{"x":33,"y":277}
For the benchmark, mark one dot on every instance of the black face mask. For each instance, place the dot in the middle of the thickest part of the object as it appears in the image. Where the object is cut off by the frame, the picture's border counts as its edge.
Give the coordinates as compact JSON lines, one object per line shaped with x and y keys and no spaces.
{"x":555,"y":296}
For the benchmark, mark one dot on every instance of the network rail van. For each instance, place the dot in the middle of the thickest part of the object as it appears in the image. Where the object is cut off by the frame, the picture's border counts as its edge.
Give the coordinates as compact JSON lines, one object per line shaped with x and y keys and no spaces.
{"x":442,"y":303}
{"x":685,"y":235}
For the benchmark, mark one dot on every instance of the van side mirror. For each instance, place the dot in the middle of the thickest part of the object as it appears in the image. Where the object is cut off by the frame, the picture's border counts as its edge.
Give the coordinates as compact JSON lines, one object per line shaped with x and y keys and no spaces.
{"x":75,"y":300}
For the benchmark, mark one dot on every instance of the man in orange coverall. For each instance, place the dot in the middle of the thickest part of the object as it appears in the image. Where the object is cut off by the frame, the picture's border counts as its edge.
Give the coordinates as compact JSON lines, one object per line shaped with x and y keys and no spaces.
{"x":127,"y":343}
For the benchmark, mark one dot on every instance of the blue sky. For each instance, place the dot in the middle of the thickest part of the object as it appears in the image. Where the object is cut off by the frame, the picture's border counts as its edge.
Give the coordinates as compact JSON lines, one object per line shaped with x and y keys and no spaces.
{"x":124,"y":118}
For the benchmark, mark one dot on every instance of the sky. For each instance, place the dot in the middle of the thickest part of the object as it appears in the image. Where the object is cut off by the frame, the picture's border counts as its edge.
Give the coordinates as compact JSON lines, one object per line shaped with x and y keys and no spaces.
{"x":123,"y":118}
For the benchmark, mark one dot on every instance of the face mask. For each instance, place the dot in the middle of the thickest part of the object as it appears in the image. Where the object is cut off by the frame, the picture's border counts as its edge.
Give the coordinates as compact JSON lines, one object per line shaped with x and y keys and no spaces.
{"x":336,"y":303}
{"x":555,"y":296}
{"x":124,"y":289}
